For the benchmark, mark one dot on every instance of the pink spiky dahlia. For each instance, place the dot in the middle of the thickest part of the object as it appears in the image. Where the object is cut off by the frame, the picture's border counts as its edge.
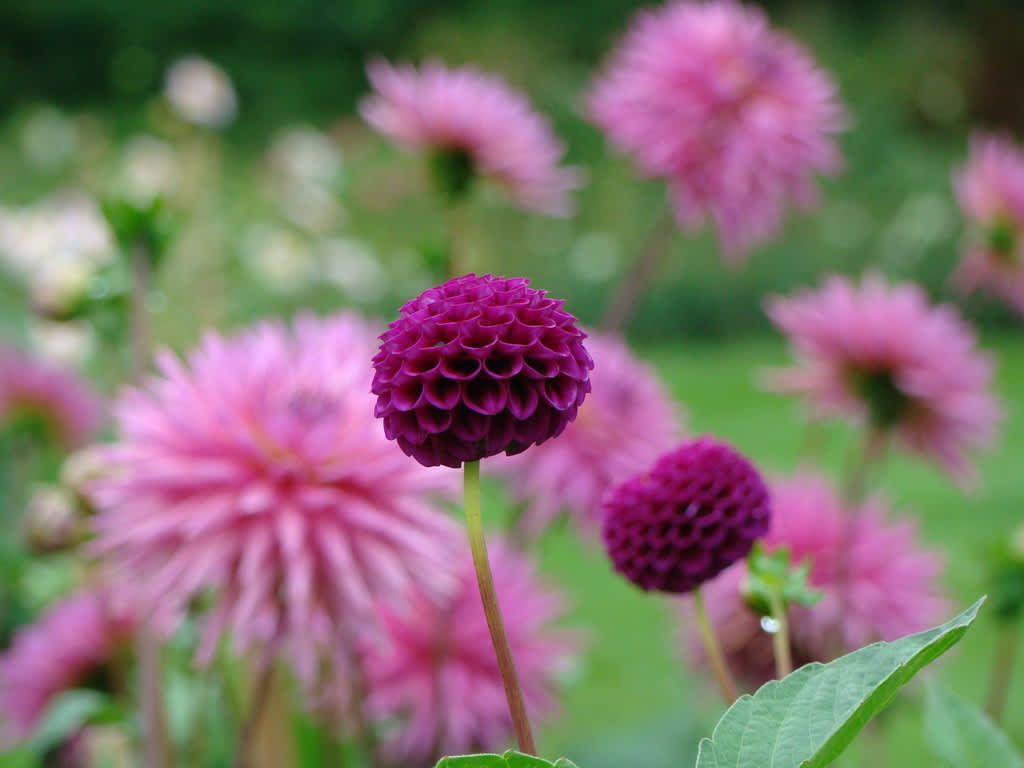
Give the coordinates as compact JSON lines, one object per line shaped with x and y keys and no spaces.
{"x":434,"y":675}
{"x":70,"y":646}
{"x":881,"y":354}
{"x":626,"y":422}
{"x":891,"y":587}
{"x":733,"y":114}
{"x":990,"y":190}
{"x":256,"y":469}
{"x":35,"y":395}
{"x":472,"y":125}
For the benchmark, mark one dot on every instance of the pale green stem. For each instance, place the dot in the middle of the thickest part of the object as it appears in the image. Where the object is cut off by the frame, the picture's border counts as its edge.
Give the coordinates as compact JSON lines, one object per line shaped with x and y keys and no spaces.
{"x":492,"y":611}
{"x":714,"y":651}
{"x":780,"y":640}
{"x":1003,"y":659}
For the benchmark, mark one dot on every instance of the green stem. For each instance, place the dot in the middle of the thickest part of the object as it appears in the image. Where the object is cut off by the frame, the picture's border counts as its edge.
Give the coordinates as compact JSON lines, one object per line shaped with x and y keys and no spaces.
{"x":1002,"y":670}
{"x":492,"y":611}
{"x":780,"y":640}
{"x":718,"y":665}
{"x":871,"y":454}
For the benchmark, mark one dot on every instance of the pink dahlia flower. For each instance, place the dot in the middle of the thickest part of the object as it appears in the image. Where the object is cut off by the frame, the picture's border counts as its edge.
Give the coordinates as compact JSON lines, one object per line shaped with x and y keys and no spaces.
{"x":881,"y":354}
{"x":891,"y":587}
{"x":626,"y":422}
{"x":68,"y":647}
{"x":990,"y":189}
{"x":37,"y":396}
{"x":736,"y":116}
{"x":434,"y":674}
{"x":473,"y":124}
{"x":256,"y":469}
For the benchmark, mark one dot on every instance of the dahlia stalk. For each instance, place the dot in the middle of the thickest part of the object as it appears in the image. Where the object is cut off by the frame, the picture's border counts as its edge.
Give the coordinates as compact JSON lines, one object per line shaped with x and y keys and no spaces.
{"x":478,"y":366}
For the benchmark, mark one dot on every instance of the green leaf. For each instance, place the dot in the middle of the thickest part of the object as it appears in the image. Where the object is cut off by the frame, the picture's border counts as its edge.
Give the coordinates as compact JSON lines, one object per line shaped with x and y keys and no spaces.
{"x":808,"y":718}
{"x":962,"y":734}
{"x":510,"y":759}
{"x":66,"y":715}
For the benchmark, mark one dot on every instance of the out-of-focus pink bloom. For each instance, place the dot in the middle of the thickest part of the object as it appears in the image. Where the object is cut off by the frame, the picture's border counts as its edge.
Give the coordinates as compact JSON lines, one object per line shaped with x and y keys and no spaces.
{"x":466,"y":115}
{"x":434,"y":674}
{"x":882,"y":355}
{"x":258,"y":470}
{"x":879,"y":582}
{"x":626,"y":422}
{"x":34,"y":393}
{"x":69,"y":645}
{"x":990,"y":190}
{"x":735,"y":115}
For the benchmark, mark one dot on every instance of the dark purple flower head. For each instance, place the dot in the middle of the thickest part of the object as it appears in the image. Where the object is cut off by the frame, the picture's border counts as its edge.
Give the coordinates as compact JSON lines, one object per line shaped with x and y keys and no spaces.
{"x":478,"y":366}
{"x":695,"y":513}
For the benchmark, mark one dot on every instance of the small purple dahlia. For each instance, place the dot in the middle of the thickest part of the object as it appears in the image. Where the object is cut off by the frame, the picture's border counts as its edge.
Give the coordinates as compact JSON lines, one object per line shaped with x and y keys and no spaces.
{"x":695,"y":513}
{"x":478,"y":366}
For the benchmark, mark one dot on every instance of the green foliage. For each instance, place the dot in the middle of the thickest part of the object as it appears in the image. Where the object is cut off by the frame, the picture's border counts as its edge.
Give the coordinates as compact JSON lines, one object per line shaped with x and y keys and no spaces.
{"x":71,"y":711}
{"x":510,"y":759}
{"x":771,"y":576}
{"x":807,"y":719}
{"x":963,"y":735}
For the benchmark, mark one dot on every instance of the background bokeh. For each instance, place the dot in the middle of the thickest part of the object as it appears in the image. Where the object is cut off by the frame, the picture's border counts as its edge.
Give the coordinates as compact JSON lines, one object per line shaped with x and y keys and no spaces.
{"x":80,"y":80}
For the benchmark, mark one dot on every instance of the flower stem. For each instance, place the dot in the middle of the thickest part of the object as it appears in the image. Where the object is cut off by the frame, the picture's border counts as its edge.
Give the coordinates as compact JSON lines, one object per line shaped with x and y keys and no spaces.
{"x":713,"y":650}
{"x":780,"y":640}
{"x":1002,"y":669}
{"x":457,"y":258}
{"x":871,"y":454}
{"x":492,"y":611}
{"x":257,"y":704}
{"x":640,"y":272}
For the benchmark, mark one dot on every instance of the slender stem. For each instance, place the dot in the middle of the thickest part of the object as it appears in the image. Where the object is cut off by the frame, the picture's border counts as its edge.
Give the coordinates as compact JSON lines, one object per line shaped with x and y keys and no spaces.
{"x":871,"y":454}
{"x":1002,"y":669}
{"x":492,"y":611}
{"x":257,"y":705}
{"x":713,"y":649}
{"x":456,"y":259}
{"x":780,"y":640}
{"x":641,"y":271}
{"x":156,"y":746}
{"x":364,"y":731}
{"x":140,"y":326}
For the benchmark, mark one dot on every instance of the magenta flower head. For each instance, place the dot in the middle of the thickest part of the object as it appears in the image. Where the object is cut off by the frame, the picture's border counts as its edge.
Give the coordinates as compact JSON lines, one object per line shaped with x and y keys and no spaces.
{"x":883,"y":355}
{"x":990,"y":190}
{"x":255,"y":472}
{"x":47,"y":402}
{"x":478,"y":366}
{"x":627,"y":421}
{"x":879,"y":582}
{"x":433,"y":678}
{"x":693,"y":514}
{"x":72,"y":645}
{"x":472,"y":125}
{"x":734,"y":115}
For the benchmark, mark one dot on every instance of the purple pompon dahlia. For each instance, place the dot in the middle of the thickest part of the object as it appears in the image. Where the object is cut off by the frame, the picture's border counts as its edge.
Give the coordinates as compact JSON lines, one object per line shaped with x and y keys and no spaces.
{"x":990,"y":190}
{"x":39,"y":397}
{"x":734,"y":115}
{"x":71,"y":645}
{"x":433,"y":677}
{"x":479,"y":366}
{"x":255,"y":472}
{"x":693,"y":514}
{"x":627,"y":421}
{"x":884,"y":585}
{"x":473,"y":125}
{"x":882,"y":355}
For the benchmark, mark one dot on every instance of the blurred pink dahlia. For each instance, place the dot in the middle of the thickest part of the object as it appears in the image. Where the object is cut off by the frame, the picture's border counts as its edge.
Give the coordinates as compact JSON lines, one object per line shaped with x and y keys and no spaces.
{"x":891,"y":587}
{"x":881,"y":354}
{"x":70,"y":646}
{"x":256,"y":469}
{"x":37,"y":397}
{"x":736,"y":116}
{"x":435,"y":677}
{"x":472,"y":124}
{"x":990,"y":190}
{"x":626,"y":422}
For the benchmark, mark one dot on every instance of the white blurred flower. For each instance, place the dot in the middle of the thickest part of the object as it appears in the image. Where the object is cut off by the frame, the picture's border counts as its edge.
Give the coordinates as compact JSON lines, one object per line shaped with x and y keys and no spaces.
{"x":304,"y":154}
{"x":279,"y":258}
{"x":594,"y":257}
{"x":150,"y":168}
{"x":311,"y":207}
{"x":68,"y":344}
{"x":48,"y":138}
{"x":352,"y":265}
{"x":200,"y":92}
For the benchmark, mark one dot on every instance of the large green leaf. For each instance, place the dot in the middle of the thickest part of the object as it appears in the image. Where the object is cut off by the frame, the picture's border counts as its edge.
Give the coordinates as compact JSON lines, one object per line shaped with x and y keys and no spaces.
{"x":510,"y":759}
{"x":808,"y":718}
{"x":961,"y":734}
